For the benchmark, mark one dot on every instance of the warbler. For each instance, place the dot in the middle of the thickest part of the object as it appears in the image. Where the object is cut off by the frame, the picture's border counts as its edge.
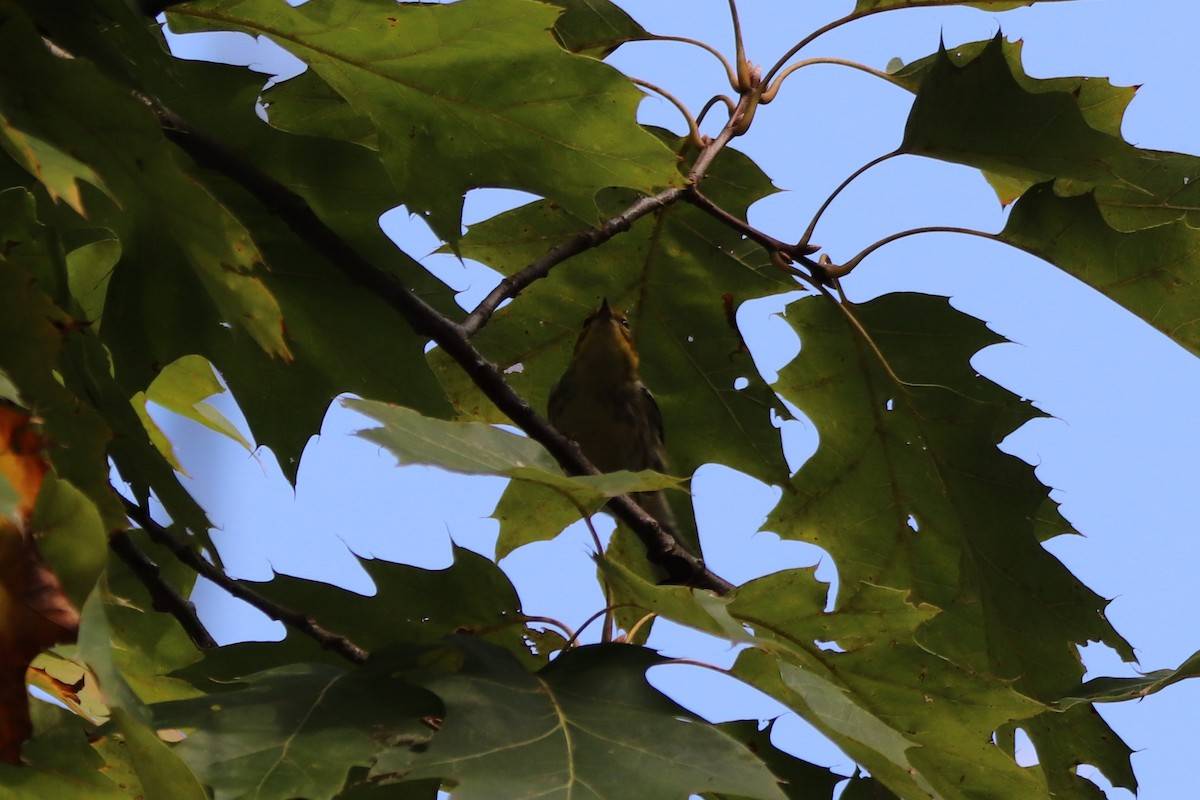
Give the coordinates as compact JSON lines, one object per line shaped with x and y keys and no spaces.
{"x":601,"y":403}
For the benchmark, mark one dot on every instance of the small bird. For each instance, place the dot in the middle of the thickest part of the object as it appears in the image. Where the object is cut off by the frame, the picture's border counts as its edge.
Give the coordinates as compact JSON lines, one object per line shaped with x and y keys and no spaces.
{"x":601,"y":403}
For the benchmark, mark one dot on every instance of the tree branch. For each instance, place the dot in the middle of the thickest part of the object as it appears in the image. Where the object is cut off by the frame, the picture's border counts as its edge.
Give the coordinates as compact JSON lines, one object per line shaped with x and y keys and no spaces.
{"x":163,"y":595}
{"x":796,"y":252}
{"x":304,"y":623}
{"x":513,"y":285}
{"x":680,"y":565}
{"x":593,"y":237}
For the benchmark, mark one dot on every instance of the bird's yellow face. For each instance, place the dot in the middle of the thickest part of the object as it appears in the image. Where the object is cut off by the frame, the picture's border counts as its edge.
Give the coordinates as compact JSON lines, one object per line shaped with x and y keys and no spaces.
{"x":606,"y":346}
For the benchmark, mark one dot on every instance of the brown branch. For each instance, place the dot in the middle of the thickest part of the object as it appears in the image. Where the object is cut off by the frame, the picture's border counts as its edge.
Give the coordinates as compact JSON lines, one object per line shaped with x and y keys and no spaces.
{"x":593,"y":237}
{"x":163,"y":596}
{"x":680,"y":565}
{"x":304,"y":623}
{"x":514,"y":284}
{"x":795,"y":252}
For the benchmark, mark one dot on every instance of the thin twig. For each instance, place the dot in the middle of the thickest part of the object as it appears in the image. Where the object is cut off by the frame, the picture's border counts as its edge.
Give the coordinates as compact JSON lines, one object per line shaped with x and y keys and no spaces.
{"x":729,"y":73}
{"x":812,"y":226}
{"x":680,"y":565}
{"x":304,"y":623}
{"x":163,"y":596}
{"x":514,"y":284}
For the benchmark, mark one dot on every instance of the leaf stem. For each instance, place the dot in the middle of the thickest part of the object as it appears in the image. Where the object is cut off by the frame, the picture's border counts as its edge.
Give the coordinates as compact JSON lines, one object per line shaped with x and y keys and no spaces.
{"x":808,"y":232}
{"x":729,"y":73}
{"x":773,"y":89}
{"x":845,"y":268}
{"x":795,"y":252}
{"x":819,"y":32}
{"x":693,"y":126}
{"x":304,"y":623}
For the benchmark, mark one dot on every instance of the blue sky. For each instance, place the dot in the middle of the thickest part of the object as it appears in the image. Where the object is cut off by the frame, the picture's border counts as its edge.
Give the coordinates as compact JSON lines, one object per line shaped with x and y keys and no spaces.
{"x":1119,"y":447}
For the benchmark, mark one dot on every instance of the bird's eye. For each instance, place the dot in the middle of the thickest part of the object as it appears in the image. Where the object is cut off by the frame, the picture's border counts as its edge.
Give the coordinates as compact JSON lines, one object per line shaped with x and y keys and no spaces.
{"x":624,"y":322}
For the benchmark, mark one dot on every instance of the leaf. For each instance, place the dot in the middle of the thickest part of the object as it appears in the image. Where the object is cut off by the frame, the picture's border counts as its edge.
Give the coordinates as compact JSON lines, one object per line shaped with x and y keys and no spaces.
{"x":71,"y":537}
{"x":464,"y":95}
{"x":1150,"y":272}
{"x":680,"y":276}
{"x":595,"y":27}
{"x":909,"y":491}
{"x":474,"y":448}
{"x":182,"y":386}
{"x":884,"y":694}
{"x":344,"y":339}
{"x":1115,"y":690}
{"x":59,"y":764}
{"x":977,"y":107}
{"x":538,"y":506}
{"x":59,"y":172}
{"x":159,"y":770}
{"x":976,"y":113}
{"x":145,"y":647}
{"x":799,"y":779}
{"x":89,"y":269}
{"x":34,"y":611}
{"x":557,"y":734}
{"x":68,"y":102}
{"x":472,"y":595}
{"x":296,"y":730}
{"x":32,"y":333}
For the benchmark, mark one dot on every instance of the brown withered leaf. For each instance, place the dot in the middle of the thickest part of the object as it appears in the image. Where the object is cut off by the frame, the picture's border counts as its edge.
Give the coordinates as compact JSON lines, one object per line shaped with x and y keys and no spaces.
{"x":34,"y":611}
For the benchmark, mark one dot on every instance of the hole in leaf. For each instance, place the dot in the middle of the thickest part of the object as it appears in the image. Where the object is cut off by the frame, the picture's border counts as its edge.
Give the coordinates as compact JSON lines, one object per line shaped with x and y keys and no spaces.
{"x":912,"y":523}
{"x":741,"y":383}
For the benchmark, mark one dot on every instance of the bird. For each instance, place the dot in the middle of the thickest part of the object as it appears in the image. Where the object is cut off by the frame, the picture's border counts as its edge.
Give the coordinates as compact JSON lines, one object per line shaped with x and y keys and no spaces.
{"x":601,"y":403}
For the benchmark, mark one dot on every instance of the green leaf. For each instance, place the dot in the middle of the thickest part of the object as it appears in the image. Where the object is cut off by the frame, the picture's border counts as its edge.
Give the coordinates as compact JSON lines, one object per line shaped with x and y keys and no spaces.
{"x":977,"y":107}
{"x":558,"y":733}
{"x":146,"y":647}
{"x":536,"y":506}
{"x":71,"y":537}
{"x":158,"y":768}
{"x":909,"y":491}
{"x":799,"y":779}
{"x":977,"y":113}
{"x":692,"y":355}
{"x":59,"y":764}
{"x":183,"y":385}
{"x":471,"y":595}
{"x":1149,"y":272}
{"x":551,"y":500}
{"x":70,"y":104}
{"x":59,"y":172}
{"x":296,"y":730}
{"x":32,"y":336}
{"x":595,"y":27}
{"x":1115,"y":690}
{"x":464,"y":95}
{"x":89,"y":269}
